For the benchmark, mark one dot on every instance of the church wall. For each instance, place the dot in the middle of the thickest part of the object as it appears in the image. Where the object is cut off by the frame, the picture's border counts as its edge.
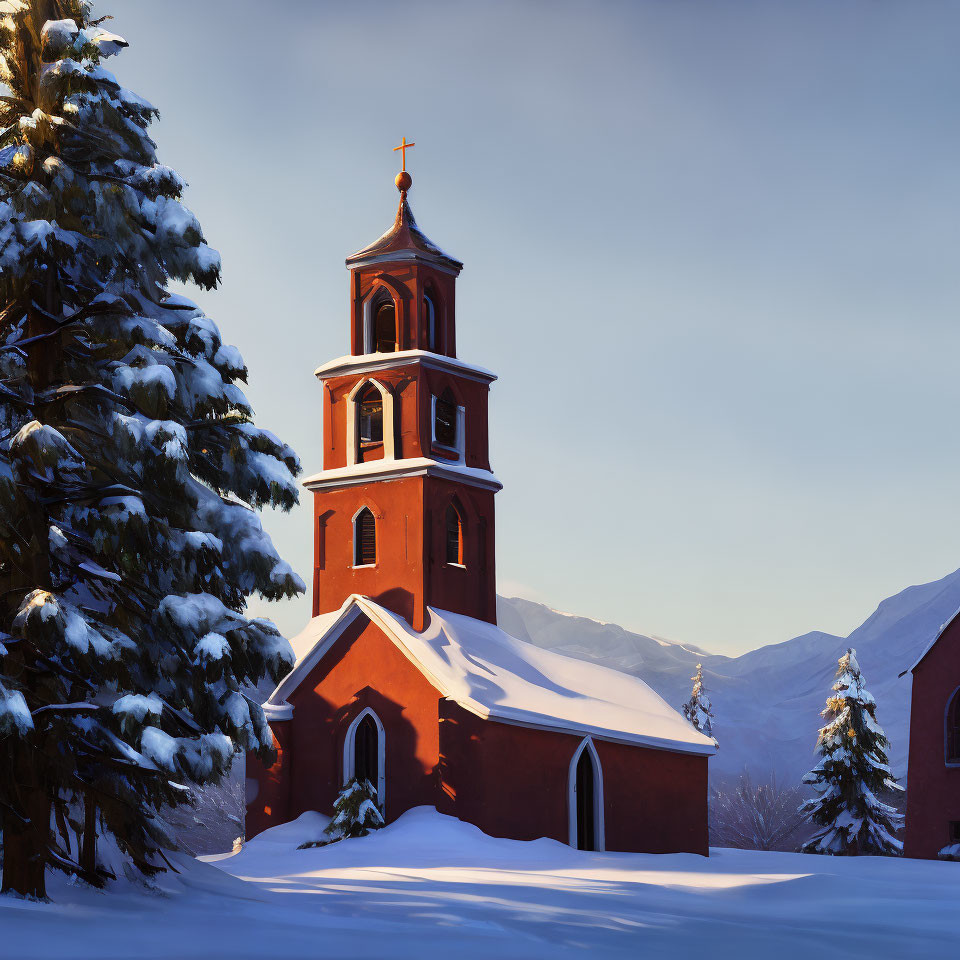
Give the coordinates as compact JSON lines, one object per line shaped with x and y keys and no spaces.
{"x":396,"y":579}
{"x":512,"y":781}
{"x":268,"y":788}
{"x":363,"y":669}
{"x":933,"y":787}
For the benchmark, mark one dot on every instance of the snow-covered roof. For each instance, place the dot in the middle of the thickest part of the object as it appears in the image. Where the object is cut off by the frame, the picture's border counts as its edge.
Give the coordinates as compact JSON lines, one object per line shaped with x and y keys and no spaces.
{"x":368,"y":362}
{"x":394,"y":469}
{"x":404,"y":241}
{"x":494,"y":675}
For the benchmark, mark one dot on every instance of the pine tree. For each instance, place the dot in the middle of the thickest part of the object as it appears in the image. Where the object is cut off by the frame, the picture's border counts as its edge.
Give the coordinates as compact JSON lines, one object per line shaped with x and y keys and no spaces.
{"x":852,"y":773}
{"x":130,"y":472}
{"x":355,"y":811}
{"x":698,"y":709}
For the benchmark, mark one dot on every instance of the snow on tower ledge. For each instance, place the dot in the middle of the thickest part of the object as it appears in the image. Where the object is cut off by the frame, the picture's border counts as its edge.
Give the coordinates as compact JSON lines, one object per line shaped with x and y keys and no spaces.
{"x":494,"y":675}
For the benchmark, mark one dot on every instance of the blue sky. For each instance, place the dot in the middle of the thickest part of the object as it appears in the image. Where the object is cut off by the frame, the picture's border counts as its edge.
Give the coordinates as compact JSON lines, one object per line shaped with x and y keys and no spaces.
{"x":711,"y":251}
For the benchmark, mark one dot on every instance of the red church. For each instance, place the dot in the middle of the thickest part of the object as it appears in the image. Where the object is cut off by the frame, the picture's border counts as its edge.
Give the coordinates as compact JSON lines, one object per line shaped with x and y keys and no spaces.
{"x":933,"y":767}
{"x":402,"y":676}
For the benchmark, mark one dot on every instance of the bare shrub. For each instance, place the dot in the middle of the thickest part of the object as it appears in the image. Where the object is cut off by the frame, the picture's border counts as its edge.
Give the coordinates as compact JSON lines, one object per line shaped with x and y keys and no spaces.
{"x":762,"y":816}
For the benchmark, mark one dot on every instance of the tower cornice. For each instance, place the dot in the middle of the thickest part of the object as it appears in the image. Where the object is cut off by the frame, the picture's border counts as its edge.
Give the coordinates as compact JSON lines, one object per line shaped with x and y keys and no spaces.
{"x":373,"y":362}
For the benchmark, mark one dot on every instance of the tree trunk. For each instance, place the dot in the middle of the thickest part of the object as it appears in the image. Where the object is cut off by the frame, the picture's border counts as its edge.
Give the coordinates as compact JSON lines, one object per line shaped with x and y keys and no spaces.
{"x":88,"y":849}
{"x":25,"y":848}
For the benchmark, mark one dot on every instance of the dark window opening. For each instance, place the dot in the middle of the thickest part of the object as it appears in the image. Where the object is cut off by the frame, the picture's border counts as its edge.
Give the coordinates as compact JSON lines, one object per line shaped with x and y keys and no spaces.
{"x":385,"y":328}
{"x":445,"y":420}
{"x":430,"y":316}
{"x":454,"y":536}
{"x":371,"y":416}
{"x":366,"y":752}
{"x":955,"y":831}
{"x":364,"y":539}
{"x":586,"y":802}
{"x":953,"y":729}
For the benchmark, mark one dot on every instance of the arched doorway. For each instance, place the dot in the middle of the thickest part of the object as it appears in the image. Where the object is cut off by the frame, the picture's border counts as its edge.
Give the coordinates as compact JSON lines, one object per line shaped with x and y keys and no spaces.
{"x":364,"y":753}
{"x":585,"y":798}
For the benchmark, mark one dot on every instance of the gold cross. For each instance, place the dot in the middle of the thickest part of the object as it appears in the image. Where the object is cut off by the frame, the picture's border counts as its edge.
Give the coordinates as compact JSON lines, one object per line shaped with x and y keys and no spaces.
{"x":403,"y":148}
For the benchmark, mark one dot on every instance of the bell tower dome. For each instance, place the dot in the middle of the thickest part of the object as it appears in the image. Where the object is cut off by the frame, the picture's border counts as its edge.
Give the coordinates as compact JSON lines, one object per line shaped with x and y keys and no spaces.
{"x":403,"y":508}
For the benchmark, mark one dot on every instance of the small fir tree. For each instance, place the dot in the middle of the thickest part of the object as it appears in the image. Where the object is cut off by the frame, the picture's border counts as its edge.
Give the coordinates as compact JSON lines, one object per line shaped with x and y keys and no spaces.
{"x":698,"y":709}
{"x":355,"y":811}
{"x":131,"y":472}
{"x":852,"y":774}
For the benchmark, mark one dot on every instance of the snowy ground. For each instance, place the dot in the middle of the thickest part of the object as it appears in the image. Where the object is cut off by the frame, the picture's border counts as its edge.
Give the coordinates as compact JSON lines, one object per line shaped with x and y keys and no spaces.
{"x":432,"y":886}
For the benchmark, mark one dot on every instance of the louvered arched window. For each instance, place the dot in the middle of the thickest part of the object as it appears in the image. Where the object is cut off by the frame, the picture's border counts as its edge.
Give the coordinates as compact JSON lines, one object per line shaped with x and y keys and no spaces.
{"x":385,"y":328}
{"x":454,"y":535}
{"x":953,"y":729}
{"x":364,"y":538}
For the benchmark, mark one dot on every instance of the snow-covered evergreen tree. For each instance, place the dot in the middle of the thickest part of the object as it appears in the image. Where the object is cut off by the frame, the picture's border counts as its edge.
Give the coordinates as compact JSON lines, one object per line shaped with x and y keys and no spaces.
{"x":698,"y":709}
{"x":355,"y":811}
{"x":130,"y":471}
{"x":852,"y":773}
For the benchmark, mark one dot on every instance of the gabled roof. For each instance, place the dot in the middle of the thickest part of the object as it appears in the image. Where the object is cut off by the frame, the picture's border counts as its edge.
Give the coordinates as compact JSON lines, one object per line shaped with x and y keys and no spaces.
{"x":402,"y":239}
{"x":931,"y":644}
{"x":497,"y":676}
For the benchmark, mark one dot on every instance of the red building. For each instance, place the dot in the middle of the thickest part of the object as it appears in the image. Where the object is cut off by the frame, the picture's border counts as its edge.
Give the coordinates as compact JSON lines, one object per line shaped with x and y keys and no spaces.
{"x":408,"y":681}
{"x":933,"y":768}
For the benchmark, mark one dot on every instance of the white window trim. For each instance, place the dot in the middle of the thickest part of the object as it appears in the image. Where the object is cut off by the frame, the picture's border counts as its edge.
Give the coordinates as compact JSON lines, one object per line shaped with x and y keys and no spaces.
{"x":598,"y":824}
{"x":353,"y":422}
{"x":349,"y":755}
{"x":461,"y":428}
{"x":353,"y":523}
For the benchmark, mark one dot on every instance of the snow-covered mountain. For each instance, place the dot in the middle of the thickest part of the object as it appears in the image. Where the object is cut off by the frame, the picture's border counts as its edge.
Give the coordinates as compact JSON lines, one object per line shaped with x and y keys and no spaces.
{"x":766,"y":702}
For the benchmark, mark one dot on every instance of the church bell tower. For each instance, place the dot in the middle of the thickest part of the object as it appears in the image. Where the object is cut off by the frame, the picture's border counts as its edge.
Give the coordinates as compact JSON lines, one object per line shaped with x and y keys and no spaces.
{"x":403,"y":508}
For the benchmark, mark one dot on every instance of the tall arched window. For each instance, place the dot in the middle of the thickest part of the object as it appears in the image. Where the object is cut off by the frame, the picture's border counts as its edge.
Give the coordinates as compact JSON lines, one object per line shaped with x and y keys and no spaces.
{"x":430,"y":315}
{"x":953,"y":728}
{"x":454,"y":535}
{"x":445,"y":419}
{"x":365,"y":751}
{"x":370,"y":404}
{"x":385,"y":328}
{"x":364,"y":538}
{"x":585,"y":798}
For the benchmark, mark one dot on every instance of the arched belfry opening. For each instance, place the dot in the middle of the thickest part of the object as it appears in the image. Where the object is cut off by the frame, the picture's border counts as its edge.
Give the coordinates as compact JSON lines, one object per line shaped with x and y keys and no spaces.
{"x":453,"y":535}
{"x":364,"y":538}
{"x":385,"y":326}
{"x":585,"y":798}
{"x":431,"y":319}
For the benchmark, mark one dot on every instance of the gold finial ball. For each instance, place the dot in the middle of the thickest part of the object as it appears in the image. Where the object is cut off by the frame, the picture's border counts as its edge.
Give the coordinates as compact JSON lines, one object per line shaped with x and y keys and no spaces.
{"x":403,"y":181}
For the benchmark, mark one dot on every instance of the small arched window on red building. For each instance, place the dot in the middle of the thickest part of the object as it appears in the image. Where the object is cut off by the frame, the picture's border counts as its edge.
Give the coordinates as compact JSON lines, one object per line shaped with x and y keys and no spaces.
{"x":364,"y":538}
{"x":445,"y":420}
{"x":385,"y":327}
{"x":953,"y":728}
{"x":454,"y":536}
{"x":370,"y":409}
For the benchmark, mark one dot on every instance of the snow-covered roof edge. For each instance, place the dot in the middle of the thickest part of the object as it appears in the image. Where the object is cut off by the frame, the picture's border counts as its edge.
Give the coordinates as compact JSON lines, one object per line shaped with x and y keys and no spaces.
{"x":367,"y":362}
{"x":277,"y":706}
{"x":393,"y":469}
{"x":932,"y":643}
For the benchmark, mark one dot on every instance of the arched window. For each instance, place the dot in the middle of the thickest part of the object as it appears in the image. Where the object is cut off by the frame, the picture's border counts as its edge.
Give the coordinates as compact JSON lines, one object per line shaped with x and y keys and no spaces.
{"x":953,"y":728}
{"x":585,"y":798}
{"x":430,"y":315}
{"x":370,"y":404}
{"x":385,"y":328}
{"x":445,"y":420}
{"x":364,"y":753}
{"x":454,"y":535}
{"x":364,"y":538}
